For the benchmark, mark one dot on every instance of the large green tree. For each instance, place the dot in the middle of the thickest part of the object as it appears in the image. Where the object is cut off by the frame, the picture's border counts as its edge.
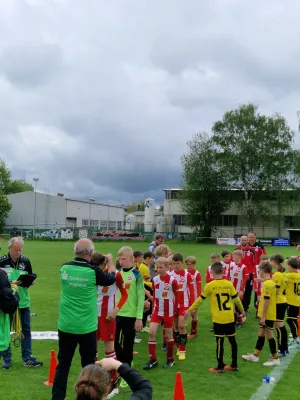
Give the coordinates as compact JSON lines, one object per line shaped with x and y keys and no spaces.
{"x":203,"y":194}
{"x":256,"y":152}
{"x":9,"y":186}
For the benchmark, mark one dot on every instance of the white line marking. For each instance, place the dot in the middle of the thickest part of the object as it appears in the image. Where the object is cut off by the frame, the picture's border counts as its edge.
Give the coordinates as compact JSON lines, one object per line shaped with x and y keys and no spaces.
{"x":265,"y":389}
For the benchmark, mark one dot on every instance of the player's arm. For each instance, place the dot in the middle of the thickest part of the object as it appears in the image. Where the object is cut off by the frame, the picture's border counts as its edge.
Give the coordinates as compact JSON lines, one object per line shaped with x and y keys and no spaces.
{"x":236,"y":299}
{"x":28,"y":266}
{"x":207,"y":276}
{"x":9,"y":300}
{"x":175,"y":291}
{"x":245,"y":278}
{"x":266,"y":295}
{"x":191,"y":289}
{"x":277,"y":282}
{"x":197,"y":303}
{"x":104,"y":278}
{"x":140,"y":296}
{"x":121,"y":286}
{"x":199,"y":284}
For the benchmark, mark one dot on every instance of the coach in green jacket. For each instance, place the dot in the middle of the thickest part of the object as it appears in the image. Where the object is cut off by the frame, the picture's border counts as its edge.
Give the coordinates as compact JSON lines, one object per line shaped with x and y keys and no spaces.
{"x":78,"y":317}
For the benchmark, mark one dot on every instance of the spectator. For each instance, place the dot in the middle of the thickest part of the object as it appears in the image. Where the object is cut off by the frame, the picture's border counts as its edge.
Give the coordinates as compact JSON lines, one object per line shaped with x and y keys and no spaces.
{"x":78,"y":316}
{"x":15,"y":264}
{"x":158,"y":239}
{"x":8,"y":305}
{"x":94,"y":384}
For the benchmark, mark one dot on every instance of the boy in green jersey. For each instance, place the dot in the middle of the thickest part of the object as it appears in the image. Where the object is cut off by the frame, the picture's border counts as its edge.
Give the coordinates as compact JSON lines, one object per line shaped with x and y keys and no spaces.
{"x":129,"y":318}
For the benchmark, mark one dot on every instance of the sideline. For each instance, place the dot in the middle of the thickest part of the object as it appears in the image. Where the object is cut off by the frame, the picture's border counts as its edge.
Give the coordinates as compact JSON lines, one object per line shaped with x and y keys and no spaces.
{"x":51,"y":335}
{"x":265,"y":389}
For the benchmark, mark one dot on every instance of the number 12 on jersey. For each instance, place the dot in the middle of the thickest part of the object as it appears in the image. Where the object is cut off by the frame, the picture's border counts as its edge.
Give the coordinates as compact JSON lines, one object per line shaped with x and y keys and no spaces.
{"x":223,"y":300}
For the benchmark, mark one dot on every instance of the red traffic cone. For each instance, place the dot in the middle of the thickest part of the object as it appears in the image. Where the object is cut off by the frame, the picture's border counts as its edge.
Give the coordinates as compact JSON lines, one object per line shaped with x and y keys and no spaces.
{"x":178,"y":390}
{"x":52,"y":369}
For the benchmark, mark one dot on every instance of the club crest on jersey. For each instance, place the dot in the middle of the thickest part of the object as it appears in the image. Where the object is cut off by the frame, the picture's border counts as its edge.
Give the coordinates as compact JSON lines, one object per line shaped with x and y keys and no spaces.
{"x":181,"y":279}
{"x":129,"y":278}
{"x":166,"y":286}
{"x":21,"y":267}
{"x":64,"y":276}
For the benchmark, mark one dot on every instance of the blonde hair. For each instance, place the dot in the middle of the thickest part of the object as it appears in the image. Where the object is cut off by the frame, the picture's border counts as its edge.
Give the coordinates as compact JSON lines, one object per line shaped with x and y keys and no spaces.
{"x":191,"y":259}
{"x":125,"y":251}
{"x":163,"y":260}
{"x":238,"y":253}
{"x":162,"y":250}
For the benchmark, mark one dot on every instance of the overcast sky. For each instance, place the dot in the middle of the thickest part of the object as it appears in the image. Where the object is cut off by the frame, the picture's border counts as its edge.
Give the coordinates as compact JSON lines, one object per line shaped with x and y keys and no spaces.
{"x":98,"y":97}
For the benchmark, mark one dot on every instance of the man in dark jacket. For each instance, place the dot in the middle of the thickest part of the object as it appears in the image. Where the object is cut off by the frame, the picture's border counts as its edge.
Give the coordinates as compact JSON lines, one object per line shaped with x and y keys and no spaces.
{"x":78,"y":316}
{"x":9,"y":302}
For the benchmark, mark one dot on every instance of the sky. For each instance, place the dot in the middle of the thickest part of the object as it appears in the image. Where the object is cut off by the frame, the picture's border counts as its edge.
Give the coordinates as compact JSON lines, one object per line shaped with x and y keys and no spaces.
{"x":98,"y":98}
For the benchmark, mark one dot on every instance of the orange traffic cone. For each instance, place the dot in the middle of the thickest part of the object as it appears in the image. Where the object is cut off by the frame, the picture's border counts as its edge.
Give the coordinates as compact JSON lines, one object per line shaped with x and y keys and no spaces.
{"x":178,"y":390}
{"x":52,"y":369}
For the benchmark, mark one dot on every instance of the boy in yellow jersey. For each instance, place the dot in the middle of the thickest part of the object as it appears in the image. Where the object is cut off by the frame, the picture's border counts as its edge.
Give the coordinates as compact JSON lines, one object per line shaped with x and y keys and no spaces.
{"x":221,"y":293}
{"x":276,"y":261}
{"x":144,"y":266}
{"x":293,"y":298}
{"x":267,"y":314}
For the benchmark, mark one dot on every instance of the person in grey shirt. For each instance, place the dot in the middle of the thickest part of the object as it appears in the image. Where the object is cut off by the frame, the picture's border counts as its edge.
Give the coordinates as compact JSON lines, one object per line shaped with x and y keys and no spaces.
{"x":158,"y":239}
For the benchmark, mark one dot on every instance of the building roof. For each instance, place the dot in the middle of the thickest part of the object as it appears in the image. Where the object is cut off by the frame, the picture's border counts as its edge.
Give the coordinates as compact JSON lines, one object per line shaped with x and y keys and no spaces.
{"x":157,"y":213}
{"x":68,"y":199}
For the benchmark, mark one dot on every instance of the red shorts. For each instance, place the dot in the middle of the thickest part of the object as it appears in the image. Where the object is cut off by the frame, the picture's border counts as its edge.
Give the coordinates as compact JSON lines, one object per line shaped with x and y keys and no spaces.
{"x":168,"y":322}
{"x":182,"y":310}
{"x":106,"y":330}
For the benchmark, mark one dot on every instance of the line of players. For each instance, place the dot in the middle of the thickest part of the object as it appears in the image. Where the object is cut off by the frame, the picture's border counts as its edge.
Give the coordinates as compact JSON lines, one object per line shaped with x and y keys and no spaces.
{"x":175,"y":293}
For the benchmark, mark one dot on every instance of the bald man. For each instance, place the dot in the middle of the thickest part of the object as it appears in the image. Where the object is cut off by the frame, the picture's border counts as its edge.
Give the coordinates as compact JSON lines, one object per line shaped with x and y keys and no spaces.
{"x":78,"y":317}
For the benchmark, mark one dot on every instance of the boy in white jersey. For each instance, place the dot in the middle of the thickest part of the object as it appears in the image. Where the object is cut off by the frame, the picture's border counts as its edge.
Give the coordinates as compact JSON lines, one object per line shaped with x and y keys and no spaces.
{"x":165,"y":301}
{"x":226,"y":256}
{"x":107,"y":312}
{"x":238,"y":275}
{"x":186,"y":298}
{"x":190,"y":263}
{"x":209,"y":274}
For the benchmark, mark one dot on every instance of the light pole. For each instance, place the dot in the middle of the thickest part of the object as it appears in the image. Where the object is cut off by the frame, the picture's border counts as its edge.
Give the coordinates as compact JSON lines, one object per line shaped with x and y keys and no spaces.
{"x":34,"y":211}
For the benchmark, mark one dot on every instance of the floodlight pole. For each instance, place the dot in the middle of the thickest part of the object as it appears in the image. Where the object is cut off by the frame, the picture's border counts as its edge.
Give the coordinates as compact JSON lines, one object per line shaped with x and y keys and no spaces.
{"x":34,"y":211}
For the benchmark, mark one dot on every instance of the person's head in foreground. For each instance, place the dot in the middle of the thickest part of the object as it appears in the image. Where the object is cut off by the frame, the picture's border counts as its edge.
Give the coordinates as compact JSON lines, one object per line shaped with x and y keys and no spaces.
{"x":276,"y":261}
{"x":226,"y":255}
{"x":177,"y":261}
{"x":217,"y":270}
{"x":265,"y":269}
{"x":190,"y":263}
{"x":162,"y":250}
{"x":237,"y":256}
{"x":98,"y":260}
{"x":93,"y":383}
{"x":214,"y":257}
{"x":162,"y":265}
{"x":293,"y":264}
{"x":126,"y":258}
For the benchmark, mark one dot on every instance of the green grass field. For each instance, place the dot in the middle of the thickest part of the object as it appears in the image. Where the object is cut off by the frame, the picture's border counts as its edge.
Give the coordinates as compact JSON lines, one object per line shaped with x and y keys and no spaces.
{"x":20,"y":383}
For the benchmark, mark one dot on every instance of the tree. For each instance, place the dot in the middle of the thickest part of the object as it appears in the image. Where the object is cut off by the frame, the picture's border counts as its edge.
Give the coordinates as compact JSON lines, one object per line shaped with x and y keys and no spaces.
{"x":204,"y":194}
{"x":256,"y":151}
{"x":135,"y":206}
{"x":10,"y":186}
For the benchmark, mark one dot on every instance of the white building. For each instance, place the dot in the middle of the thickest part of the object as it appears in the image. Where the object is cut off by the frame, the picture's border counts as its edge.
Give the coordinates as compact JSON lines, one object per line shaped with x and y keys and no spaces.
{"x":57,"y":212}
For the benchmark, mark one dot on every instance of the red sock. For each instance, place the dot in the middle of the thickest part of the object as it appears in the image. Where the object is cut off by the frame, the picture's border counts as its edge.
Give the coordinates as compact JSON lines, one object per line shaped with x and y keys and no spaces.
{"x":194,"y":326}
{"x":170,"y":350}
{"x":113,"y":374}
{"x":164,"y":336}
{"x":152,"y":350}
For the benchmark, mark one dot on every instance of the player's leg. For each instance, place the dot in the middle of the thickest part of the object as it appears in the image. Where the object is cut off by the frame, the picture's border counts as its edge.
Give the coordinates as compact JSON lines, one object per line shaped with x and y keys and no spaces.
{"x":168,"y":324}
{"x":254,"y":357}
{"x":87,"y":348}
{"x":128,"y":339}
{"x":176,"y":333}
{"x":219,"y":335}
{"x":292,"y":320}
{"x":182,"y":334}
{"x":229,"y":330}
{"x":247,"y":293}
{"x":194,"y":324}
{"x":281,"y":329}
{"x":154,"y":323}
{"x":119,"y":338}
{"x":272,"y":344}
{"x":109,"y":349}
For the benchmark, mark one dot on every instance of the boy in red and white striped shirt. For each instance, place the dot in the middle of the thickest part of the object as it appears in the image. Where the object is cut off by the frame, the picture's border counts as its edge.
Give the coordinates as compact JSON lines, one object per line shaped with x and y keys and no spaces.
{"x":107,"y":312}
{"x":190,"y":263}
{"x":226,"y":255}
{"x":238,"y":275}
{"x":209,"y":275}
{"x":186,"y":297}
{"x":165,"y":308}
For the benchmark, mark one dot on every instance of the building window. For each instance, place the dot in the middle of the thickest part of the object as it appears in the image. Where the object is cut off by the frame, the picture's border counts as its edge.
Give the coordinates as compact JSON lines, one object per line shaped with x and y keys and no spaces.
{"x":174,"y":194}
{"x":168,"y":195}
{"x":85,"y":223}
{"x":94,"y":223}
{"x":103,"y":224}
{"x":119,"y":224}
{"x":230,"y":220}
{"x":112,"y":225}
{"x":180,"y":219}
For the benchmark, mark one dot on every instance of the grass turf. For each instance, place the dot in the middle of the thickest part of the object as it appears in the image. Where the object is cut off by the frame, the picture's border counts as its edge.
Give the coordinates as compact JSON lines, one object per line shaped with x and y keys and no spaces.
{"x":20,"y":383}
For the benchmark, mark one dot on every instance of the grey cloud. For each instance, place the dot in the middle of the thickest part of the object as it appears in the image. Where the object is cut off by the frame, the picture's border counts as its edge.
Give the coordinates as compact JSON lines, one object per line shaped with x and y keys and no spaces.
{"x":31,"y":65}
{"x":103,"y":103}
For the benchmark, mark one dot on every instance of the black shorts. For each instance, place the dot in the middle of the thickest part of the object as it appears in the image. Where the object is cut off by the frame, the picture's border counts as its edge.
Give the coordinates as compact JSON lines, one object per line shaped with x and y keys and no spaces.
{"x":292,"y":312}
{"x":280,"y":311}
{"x":268,"y":324}
{"x":224,"y":329}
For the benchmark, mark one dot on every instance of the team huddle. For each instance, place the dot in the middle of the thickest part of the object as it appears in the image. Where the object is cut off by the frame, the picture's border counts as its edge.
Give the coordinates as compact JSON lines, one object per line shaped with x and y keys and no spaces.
{"x":163,"y":288}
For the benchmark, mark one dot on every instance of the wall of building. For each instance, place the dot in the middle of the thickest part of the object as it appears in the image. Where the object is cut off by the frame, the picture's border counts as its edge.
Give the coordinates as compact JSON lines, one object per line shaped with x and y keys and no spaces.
{"x":50,"y":210}
{"x":57,"y":212}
